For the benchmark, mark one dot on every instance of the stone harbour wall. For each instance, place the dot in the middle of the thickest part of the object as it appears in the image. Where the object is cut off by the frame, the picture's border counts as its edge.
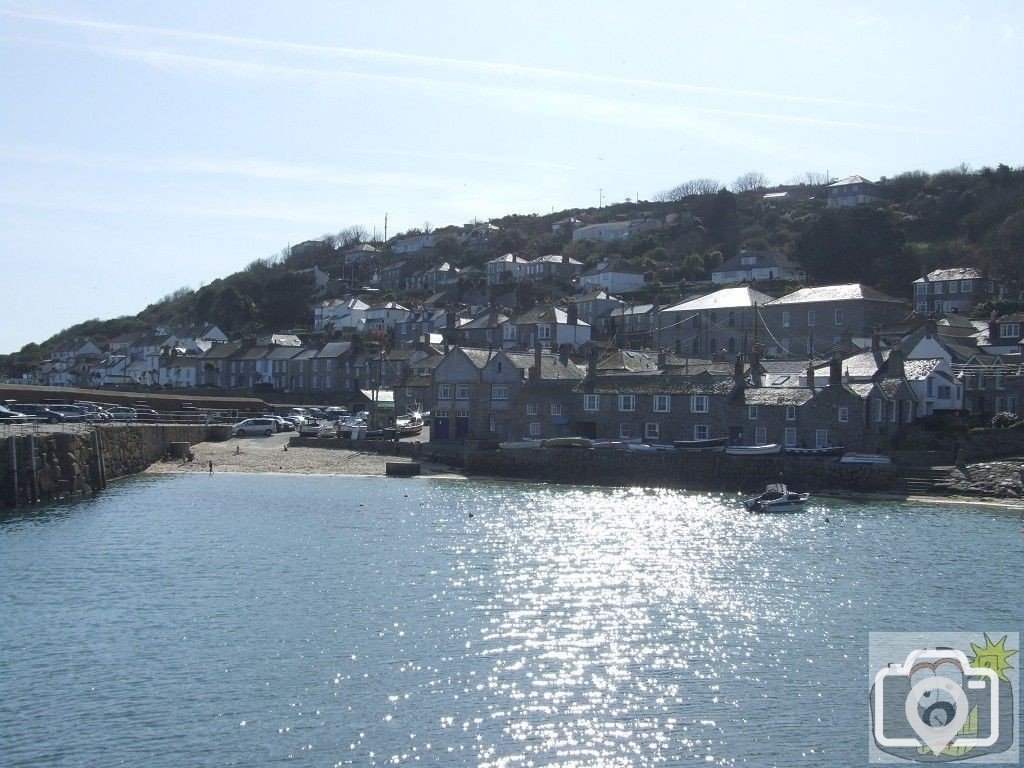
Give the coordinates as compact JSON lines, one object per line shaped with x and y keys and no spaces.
{"x":685,"y":470}
{"x":43,"y":466}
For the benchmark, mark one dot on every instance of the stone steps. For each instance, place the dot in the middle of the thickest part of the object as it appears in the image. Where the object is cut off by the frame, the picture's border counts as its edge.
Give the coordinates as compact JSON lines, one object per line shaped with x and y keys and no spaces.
{"x":920,"y":480}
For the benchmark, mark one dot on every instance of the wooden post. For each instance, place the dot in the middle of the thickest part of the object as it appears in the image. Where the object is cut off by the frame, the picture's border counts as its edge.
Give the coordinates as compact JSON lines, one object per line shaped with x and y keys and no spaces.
{"x":12,"y":452}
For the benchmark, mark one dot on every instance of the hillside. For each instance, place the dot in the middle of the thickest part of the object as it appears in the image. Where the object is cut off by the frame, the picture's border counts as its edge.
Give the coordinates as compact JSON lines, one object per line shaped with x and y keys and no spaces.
{"x":928,"y":221}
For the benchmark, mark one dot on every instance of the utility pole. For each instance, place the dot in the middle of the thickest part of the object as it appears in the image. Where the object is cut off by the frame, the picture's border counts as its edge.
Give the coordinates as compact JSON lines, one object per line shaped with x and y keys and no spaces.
{"x":385,"y":227}
{"x":600,"y":197}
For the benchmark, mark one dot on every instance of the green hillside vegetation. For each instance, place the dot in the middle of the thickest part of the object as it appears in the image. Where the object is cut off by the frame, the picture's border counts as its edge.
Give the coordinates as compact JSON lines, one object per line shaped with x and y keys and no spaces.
{"x":958,"y":217}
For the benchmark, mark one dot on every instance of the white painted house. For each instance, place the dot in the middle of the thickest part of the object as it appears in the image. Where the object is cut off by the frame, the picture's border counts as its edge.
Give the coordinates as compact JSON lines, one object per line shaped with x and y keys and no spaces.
{"x":614,"y":277}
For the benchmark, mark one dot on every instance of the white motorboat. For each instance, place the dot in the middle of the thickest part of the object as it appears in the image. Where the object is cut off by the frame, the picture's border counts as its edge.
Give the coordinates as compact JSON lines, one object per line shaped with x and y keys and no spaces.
{"x":754,"y":450}
{"x":777,"y":498}
{"x":864,"y":458}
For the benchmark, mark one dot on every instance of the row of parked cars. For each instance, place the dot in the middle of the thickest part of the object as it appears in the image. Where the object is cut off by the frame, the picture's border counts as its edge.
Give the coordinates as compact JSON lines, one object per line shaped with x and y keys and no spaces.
{"x":59,"y":413}
{"x":304,"y":420}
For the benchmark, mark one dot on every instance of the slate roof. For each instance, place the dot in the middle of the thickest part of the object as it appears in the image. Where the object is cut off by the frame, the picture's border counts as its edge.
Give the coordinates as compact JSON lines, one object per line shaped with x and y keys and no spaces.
{"x":956,"y":273}
{"x":283,"y":353}
{"x":918,"y":370}
{"x":629,"y":360}
{"x":763,"y":259}
{"x":545,"y":315}
{"x":551,"y":366}
{"x":848,"y":292}
{"x":658,"y":384}
{"x":554,"y":258}
{"x":221,"y":351}
{"x":851,"y":180}
{"x":335,"y":349}
{"x":775,"y":396}
{"x":418,"y":381}
{"x":727,"y":298}
{"x":489,"y":319}
{"x":631,"y":309}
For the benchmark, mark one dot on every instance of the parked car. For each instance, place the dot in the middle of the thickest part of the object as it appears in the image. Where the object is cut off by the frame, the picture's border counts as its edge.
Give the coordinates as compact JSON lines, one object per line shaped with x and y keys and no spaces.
{"x":121,"y":413}
{"x":71,"y":413}
{"x":93,"y":412}
{"x":40,"y":412}
{"x":280,"y":423}
{"x":260,"y":426}
{"x":7,"y":415}
{"x":334,"y":413}
{"x":146,"y":414}
{"x":314,"y":428}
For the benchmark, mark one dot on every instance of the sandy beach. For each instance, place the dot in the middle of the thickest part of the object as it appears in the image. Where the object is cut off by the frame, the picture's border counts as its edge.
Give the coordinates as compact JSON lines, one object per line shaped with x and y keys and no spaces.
{"x":268,"y":454}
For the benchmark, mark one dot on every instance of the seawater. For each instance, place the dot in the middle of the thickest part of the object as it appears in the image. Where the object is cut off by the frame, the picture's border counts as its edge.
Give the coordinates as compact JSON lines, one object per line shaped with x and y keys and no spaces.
{"x":326,"y":621}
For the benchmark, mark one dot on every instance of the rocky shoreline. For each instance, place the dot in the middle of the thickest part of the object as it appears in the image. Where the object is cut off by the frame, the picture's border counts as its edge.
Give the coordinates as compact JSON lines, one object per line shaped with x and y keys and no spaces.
{"x":987,"y":479}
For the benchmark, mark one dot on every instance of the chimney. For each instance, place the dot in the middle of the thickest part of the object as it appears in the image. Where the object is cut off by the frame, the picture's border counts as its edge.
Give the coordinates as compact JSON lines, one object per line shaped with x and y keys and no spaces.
{"x":537,"y":359}
{"x":835,"y":371}
{"x":737,"y":371}
{"x":662,"y":359}
{"x":563,"y":354}
{"x":572,"y":313}
{"x":993,"y":327}
{"x":591,"y":364}
{"x":876,"y":340}
{"x":755,"y":364}
{"x":810,"y":374}
{"x":930,"y":327}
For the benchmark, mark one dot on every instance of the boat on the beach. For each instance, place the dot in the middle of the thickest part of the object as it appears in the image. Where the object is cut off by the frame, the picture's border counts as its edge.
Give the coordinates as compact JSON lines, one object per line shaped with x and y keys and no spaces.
{"x":777,"y":498}
{"x":713,"y":444}
{"x":754,"y":450}
{"x":834,"y":450}
{"x":864,"y":458}
{"x":568,"y":442}
{"x":519,"y":445}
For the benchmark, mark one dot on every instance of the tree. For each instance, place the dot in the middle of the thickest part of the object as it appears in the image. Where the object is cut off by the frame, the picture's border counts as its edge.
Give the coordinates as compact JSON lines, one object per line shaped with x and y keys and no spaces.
{"x":691,"y":188}
{"x":856,"y":245}
{"x":749,"y":182}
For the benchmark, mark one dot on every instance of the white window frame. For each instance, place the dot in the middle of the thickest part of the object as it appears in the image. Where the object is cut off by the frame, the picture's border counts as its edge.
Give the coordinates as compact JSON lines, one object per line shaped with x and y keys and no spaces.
{"x":785,"y":318}
{"x":760,"y":435}
{"x":591,"y":403}
{"x":652,"y":430}
{"x":534,"y":429}
{"x":701,"y":432}
{"x":462,"y":392}
{"x":844,"y":415}
{"x":698,"y":404}
{"x":544,"y":332}
{"x":812,"y":318}
{"x":1009,"y":331}
{"x":789,"y":437}
{"x":821,"y":438}
{"x":662,"y":403}
{"x":442,"y":413}
{"x":790,"y":413}
{"x":624,"y":431}
{"x":966,"y":286}
{"x":531,"y":409}
{"x":952,"y":286}
{"x":556,"y":409}
{"x":839,"y":315}
{"x":492,"y":423}
{"x":752,"y":412}
{"x":499,"y":391}
{"x":627,"y":403}
{"x":444,"y":391}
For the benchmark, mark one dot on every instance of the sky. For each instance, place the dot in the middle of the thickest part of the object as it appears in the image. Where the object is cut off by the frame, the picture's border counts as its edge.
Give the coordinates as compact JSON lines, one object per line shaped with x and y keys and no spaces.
{"x":149,"y":146}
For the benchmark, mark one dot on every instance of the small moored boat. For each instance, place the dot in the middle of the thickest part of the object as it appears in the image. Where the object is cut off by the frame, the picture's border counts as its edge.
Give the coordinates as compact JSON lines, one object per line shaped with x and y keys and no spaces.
{"x":777,"y":498}
{"x":568,"y":442}
{"x":832,"y":451}
{"x":753,"y":450}
{"x":715,"y":444}
{"x":864,"y":458}
{"x":518,"y":445}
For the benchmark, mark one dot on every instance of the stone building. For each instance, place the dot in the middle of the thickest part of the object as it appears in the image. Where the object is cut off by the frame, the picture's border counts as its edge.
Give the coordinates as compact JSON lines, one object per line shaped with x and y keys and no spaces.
{"x":718,"y":323}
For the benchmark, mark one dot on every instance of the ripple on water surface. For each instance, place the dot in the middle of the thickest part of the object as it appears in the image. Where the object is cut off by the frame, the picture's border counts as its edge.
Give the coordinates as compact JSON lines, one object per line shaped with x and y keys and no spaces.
{"x":196,"y":620}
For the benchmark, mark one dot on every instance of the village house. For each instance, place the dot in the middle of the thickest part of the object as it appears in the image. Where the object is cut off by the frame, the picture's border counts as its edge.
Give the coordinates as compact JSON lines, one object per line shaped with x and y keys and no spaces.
{"x":506,"y":269}
{"x":631,"y":325}
{"x":347,"y":313}
{"x":547,"y":325}
{"x":300,"y":370}
{"x":553,"y":267}
{"x":959,"y":290}
{"x":273,"y":369}
{"x":393,"y":276}
{"x":594,"y":305}
{"x":811,"y":321}
{"x":615,"y":230}
{"x":751,"y":266}
{"x":364,"y":253}
{"x":414,"y":244}
{"x":327,"y":368}
{"x":419,"y":326}
{"x":384,"y":317}
{"x":484,"y":330}
{"x":854,"y":190}
{"x":615,"y":276}
{"x":723,"y":322}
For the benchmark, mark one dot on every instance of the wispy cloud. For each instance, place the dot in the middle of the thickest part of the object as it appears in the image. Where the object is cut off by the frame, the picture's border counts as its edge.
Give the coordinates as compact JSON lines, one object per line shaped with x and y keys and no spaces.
{"x":489,"y":69}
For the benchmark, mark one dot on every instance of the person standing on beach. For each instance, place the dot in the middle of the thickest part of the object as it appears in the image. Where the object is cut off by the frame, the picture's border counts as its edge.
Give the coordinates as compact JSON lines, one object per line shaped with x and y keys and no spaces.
{"x":211,"y":467}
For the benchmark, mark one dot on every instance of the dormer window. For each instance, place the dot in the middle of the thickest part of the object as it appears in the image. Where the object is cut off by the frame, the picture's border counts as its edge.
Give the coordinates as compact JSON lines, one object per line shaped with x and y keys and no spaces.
{"x":748,"y":261}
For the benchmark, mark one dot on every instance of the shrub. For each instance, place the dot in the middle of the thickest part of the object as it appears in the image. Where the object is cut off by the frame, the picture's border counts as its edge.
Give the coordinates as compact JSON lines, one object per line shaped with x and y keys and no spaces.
{"x":1005,"y":420}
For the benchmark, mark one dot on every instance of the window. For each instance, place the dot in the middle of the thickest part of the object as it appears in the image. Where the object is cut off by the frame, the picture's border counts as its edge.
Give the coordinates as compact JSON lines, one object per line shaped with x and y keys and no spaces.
{"x":652,"y":430}
{"x":945,"y":392}
{"x":953,"y":286}
{"x":938,"y":287}
{"x":790,"y":437}
{"x":698,"y":404}
{"x":785,"y":318}
{"x":894,"y":412}
{"x":921,"y":288}
{"x":997,"y":379}
{"x":462,"y":392}
{"x":811,"y":317}
{"x":534,"y":429}
{"x":627,"y":402}
{"x":624,"y":431}
{"x":492,"y":423}
{"x":966,"y":286}
{"x":499,"y":392}
{"x":544,"y":331}
{"x":760,"y":436}
{"x":821,"y":438}
{"x":879,"y":407}
{"x":839,"y":317}
{"x":461,"y":413}
{"x":531,"y":409}
{"x":591,"y":403}
{"x":844,"y":415}
{"x":444,"y":391}
{"x":1009,"y":331}
{"x":442,"y":413}
{"x":556,"y":409}
{"x":790,"y":413}
{"x":662,"y":403}
{"x":752,"y":412}
{"x":930,"y":387}
{"x":701,"y":432}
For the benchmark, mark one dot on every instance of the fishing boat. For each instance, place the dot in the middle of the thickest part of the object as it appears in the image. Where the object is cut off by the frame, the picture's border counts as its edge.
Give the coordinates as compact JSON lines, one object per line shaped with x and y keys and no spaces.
{"x":832,"y":451}
{"x":777,"y":498}
{"x":864,"y":458}
{"x":568,"y":442}
{"x":754,"y":450}
{"x":715,"y":444}
{"x":519,"y":445}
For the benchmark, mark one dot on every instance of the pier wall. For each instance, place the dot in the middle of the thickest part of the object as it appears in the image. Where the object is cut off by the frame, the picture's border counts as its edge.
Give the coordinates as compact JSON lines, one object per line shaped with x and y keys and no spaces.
{"x":686,"y":470}
{"x":41,"y":466}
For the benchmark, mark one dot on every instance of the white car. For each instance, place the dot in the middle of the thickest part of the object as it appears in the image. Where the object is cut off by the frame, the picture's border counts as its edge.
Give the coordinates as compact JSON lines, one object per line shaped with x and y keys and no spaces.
{"x":265,"y":427}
